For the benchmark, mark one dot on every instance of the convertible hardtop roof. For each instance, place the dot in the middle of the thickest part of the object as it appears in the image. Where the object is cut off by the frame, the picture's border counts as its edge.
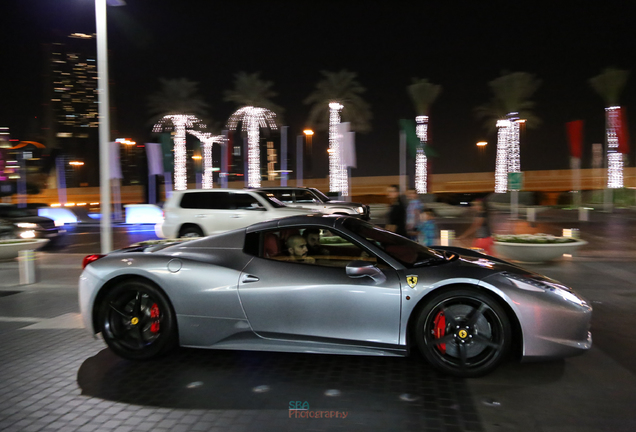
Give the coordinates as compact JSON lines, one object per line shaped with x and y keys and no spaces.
{"x":328,"y":221}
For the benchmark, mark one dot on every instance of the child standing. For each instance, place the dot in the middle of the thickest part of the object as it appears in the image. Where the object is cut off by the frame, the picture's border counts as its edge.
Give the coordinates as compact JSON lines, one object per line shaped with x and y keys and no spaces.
{"x":427,"y":228}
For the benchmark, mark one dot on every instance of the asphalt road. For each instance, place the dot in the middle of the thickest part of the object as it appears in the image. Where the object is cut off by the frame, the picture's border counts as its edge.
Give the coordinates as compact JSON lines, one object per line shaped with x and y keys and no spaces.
{"x":56,"y":377}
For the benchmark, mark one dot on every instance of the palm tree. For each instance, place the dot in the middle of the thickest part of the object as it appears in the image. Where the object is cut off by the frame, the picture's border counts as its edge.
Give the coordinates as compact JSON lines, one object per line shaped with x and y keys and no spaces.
{"x":207,"y":139}
{"x":177,"y":106}
{"x":338,"y":95}
{"x":509,"y":108}
{"x":423,"y":95}
{"x":257,"y":110}
{"x":609,"y":85}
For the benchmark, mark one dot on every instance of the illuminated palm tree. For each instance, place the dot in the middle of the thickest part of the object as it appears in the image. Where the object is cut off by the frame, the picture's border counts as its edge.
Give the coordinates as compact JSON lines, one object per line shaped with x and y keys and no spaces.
{"x":609,"y":85}
{"x":177,"y":106}
{"x":509,"y":108}
{"x":423,"y":95}
{"x":337,"y":96}
{"x":257,"y":111}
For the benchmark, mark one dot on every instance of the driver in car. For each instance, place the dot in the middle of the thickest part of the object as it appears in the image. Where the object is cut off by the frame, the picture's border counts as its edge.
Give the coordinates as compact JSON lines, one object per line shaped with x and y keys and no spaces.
{"x":297,"y":248}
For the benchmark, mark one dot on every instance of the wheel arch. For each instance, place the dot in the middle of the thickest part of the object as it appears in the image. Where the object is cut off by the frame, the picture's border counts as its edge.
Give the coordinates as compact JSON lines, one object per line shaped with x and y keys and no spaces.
{"x":114,"y":282}
{"x":516,"y":349}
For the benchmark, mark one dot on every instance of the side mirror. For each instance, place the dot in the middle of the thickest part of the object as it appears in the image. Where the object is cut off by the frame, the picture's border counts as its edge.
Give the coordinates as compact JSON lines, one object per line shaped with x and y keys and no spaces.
{"x":358,"y":269}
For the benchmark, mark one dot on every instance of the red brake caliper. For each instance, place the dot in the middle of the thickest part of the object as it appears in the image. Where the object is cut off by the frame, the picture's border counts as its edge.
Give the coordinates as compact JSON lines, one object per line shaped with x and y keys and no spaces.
{"x":154,"y":314}
{"x":439,"y":330}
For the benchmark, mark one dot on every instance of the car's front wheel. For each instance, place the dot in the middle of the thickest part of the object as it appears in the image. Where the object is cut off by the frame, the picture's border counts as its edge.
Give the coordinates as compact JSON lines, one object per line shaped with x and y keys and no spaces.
{"x":137,"y":321}
{"x":463,"y":332}
{"x":190,"y":232}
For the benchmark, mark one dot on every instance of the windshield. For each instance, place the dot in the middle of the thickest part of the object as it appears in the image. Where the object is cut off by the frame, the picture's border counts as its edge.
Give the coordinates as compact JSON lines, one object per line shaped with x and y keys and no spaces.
{"x":321,"y":196}
{"x":270,"y":198}
{"x":407,"y":252}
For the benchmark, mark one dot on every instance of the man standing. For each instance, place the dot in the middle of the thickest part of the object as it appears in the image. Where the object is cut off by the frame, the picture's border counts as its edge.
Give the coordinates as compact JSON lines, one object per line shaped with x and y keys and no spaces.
{"x":396,"y":217}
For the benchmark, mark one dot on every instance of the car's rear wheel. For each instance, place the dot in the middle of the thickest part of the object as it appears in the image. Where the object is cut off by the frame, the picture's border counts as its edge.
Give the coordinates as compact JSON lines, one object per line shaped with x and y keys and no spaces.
{"x":191,"y":232}
{"x":463,"y":332}
{"x":137,"y":321}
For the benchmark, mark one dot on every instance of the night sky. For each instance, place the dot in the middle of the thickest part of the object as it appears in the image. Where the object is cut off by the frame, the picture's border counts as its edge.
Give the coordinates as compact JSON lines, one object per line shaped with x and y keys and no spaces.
{"x":460,"y":45}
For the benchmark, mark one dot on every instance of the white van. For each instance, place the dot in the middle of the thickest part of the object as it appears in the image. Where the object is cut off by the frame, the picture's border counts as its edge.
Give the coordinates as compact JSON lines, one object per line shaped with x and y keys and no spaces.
{"x":202,"y":212}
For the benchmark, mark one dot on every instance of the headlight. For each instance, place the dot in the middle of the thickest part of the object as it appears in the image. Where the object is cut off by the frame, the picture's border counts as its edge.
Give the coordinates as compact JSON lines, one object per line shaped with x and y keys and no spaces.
{"x":545,"y":285}
{"x":360,"y":210}
{"x":26,"y":225}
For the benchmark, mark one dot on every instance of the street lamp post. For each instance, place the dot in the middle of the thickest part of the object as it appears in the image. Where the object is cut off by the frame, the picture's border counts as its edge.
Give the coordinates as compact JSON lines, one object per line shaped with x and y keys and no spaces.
{"x":308,"y":137}
{"x":106,"y":234}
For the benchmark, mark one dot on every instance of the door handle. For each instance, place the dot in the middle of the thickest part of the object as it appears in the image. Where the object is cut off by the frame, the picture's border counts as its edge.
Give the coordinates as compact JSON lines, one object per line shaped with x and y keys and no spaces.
{"x":246,"y":278}
{"x":237,"y":215}
{"x":199,"y":216}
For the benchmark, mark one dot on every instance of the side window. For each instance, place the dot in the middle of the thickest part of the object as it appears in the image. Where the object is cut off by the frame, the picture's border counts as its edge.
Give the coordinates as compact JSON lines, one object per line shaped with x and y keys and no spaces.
{"x":245,"y":202}
{"x":205,"y":200}
{"x":303,"y":196}
{"x":284,"y":196}
{"x":311,"y":245}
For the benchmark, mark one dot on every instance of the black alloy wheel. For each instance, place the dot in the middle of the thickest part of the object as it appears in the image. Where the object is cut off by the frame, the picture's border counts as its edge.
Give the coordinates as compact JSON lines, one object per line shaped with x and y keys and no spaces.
{"x":137,"y":321}
{"x":463,"y":332}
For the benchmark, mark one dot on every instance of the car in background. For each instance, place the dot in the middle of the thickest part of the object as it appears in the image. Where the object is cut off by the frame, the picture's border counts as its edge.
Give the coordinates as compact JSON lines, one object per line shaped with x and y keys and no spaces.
{"x":7,"y":230}
{"x":366,"y":291}
{"x":26,"y":225}
{"x":312,"y":198}
{"x":202,"y":212}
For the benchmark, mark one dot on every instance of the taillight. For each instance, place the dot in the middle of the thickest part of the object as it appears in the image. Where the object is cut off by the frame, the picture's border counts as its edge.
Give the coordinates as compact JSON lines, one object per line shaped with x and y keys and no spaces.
{"x":90,"y":258}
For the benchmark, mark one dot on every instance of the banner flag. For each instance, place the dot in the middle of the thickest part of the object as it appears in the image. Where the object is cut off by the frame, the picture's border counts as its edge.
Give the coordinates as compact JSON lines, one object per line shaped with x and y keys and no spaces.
{"x":115,"y":164}
{"x":155,"y":159}
{"x":347,"y":145}
{"x":412,"y":141}
{"x":575,"y":137}
{"x":622,"y":133}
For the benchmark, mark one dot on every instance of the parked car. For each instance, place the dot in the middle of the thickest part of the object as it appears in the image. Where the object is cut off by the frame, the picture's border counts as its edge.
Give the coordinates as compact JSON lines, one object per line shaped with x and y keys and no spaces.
{"x":7,"y":229}
{"x":201,"y":212}
{"x":312,"y":198}
{"x":366,"y":291}
{"x":26,"y":225}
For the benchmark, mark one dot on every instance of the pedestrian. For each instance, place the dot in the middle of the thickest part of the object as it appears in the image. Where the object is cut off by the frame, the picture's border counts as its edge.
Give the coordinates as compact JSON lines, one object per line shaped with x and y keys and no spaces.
{"x":480,"y":228}
{"x":413,"y":210}
{"x":427,"y":228}
{"x":396,"y":217}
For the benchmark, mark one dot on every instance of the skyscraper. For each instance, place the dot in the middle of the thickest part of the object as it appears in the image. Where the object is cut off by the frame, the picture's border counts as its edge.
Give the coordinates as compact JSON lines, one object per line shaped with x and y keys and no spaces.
{"x":71,"y":109}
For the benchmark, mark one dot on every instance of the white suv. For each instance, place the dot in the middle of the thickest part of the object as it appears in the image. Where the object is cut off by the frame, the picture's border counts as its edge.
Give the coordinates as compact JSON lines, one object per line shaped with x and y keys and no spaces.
{"x":201,"y":212}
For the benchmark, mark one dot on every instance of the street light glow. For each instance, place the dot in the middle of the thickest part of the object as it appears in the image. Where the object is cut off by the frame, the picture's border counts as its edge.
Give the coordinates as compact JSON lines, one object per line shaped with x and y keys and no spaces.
{"x":482,"y":144}
{"x":308,"y":132}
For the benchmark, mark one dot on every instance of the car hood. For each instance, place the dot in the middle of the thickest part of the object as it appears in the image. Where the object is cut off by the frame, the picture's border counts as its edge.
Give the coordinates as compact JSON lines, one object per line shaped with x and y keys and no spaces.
{"x":295,"y":211}
{"x":341,"y":204}
{"x":471,"y":265}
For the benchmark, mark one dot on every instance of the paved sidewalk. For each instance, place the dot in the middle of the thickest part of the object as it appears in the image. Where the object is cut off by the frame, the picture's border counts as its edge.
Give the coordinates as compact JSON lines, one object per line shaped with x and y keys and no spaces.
{"x":56,"y":377}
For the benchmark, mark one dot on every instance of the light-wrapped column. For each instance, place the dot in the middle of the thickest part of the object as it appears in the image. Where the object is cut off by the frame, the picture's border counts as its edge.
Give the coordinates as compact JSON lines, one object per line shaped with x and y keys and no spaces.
{"x":501,"y":163}
{"x":337,"y":173}
{"x":514,"y":155}
{"x":421,"y":174}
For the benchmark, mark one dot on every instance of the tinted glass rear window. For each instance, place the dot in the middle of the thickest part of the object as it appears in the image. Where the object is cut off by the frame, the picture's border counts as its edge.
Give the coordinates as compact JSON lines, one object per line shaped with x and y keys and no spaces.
{"x":206,"y":200}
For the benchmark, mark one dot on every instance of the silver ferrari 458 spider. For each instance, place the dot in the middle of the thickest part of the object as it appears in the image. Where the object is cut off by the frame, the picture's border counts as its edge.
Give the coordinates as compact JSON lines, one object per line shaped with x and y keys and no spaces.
{"x":329,"y":284}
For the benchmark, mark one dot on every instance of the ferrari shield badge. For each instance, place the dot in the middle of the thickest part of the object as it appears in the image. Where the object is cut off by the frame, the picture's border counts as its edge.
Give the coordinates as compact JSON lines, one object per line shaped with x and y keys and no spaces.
{"x":411,"y":280}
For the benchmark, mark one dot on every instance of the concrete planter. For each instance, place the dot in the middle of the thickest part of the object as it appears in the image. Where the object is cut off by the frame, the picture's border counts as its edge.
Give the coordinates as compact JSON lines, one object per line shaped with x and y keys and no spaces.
{"x":10,"y":248}
{"x":536,"y":252}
